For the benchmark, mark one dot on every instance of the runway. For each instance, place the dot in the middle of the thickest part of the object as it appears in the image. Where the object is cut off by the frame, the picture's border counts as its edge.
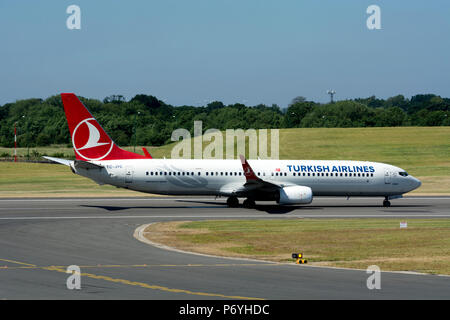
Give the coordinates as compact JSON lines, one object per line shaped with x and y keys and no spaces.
{"x":39,"y":238}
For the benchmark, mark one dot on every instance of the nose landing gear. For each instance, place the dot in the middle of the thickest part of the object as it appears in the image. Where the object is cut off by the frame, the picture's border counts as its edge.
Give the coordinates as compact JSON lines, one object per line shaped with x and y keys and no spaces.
{"x":386,"y":202}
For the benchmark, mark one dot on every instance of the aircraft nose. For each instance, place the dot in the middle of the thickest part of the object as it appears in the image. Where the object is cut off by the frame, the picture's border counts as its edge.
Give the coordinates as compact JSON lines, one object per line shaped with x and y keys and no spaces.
{"x":416,"y":182}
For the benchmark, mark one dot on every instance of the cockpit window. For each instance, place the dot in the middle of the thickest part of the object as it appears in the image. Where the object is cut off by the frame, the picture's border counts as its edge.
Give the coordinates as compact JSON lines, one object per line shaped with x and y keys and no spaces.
{"x":403,"y":173}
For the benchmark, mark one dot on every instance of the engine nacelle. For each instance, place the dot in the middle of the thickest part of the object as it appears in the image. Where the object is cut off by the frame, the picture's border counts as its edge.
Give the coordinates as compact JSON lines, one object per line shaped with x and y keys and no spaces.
{"x":295,"y":195}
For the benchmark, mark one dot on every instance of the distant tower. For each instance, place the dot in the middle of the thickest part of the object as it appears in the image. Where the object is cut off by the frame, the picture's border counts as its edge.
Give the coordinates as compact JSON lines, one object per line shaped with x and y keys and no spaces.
{"x":331,"y":93}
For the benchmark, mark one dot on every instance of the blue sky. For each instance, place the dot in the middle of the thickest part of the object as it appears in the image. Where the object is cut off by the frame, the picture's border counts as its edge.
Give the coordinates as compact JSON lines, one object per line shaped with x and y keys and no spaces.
{"x":248,"y":51}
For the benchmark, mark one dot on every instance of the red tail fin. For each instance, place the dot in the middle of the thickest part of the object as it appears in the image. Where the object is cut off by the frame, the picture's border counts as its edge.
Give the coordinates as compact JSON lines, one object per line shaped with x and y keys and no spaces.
{"x":89,"y":140}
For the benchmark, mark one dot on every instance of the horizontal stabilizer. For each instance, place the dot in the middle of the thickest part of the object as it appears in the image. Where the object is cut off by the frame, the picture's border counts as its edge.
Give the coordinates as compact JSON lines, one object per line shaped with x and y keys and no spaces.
{"x":80,"y":164}
{"x":58,"y":160}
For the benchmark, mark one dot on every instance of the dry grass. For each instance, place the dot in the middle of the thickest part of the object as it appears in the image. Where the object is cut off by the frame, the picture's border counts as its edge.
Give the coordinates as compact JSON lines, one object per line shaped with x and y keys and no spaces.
{"x":50,"y":180}
{"x":357,"y":243}
{"x":423,"y":151}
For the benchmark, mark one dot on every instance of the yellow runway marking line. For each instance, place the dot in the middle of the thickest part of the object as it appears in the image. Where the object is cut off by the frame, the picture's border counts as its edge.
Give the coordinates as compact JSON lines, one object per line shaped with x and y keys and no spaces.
{"x":154,"y":287}
{"x":18,"y":262}
{"x":127,"y":282}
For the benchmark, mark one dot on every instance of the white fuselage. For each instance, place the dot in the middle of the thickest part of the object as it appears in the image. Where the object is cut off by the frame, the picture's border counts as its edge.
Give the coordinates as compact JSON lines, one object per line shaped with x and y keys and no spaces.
{"x":226,"y":178}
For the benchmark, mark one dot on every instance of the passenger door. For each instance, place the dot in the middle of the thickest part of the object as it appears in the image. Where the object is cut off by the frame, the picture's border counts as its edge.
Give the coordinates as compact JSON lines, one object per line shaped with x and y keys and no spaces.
{"x":128,"y":174}
{"x":387,"y":177}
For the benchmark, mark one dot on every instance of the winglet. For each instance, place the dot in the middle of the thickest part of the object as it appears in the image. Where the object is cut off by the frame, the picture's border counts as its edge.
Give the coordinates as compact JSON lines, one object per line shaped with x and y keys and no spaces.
{"x":147,"y":154}
{"x":248,"y":171}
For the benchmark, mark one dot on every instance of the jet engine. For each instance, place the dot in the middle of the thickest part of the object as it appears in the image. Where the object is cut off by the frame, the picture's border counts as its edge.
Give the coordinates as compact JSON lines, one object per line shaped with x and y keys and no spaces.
{"x":295,"y":195}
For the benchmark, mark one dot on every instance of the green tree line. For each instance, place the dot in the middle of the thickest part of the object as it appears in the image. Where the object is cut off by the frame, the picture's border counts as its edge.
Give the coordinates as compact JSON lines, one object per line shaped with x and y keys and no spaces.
{"x":42,"y":122}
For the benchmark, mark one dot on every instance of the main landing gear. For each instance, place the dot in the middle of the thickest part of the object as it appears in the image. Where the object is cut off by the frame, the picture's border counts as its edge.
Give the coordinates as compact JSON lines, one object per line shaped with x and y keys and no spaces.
{"x":386,"y":202}
{"x":233,"y":202}
{"x":249,"y":203}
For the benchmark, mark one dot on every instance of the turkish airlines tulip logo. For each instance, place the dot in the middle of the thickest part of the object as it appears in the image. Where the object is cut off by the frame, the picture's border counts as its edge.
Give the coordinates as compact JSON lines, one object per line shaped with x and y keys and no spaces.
{"x":90,"y":141}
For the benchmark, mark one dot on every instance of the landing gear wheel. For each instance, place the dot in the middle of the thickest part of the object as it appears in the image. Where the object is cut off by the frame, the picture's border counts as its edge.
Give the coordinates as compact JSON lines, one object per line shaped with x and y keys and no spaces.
{"x":386,"y":203}
{"x":249,"y":203}
{"x":232,"y":202}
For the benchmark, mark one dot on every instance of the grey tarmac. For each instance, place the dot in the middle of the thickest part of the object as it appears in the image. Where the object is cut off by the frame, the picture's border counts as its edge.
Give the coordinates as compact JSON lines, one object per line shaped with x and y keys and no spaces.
{"x":40,"y":238}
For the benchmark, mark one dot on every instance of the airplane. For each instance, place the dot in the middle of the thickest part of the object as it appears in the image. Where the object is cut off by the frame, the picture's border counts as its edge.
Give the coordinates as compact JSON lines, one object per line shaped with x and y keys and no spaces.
{"x":287,"y":182}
